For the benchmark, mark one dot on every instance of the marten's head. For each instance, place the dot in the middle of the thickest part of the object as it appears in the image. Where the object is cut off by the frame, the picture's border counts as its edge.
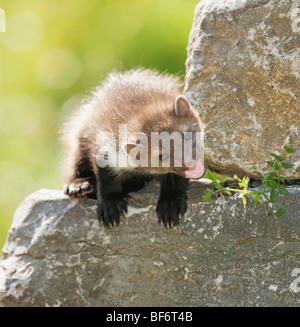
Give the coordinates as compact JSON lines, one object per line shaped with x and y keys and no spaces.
{"x":167,"y":138}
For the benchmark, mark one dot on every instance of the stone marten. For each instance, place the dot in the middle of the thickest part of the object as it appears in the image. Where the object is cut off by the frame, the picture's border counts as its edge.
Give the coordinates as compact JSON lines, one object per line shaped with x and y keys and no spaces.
{"x":115,"y":144}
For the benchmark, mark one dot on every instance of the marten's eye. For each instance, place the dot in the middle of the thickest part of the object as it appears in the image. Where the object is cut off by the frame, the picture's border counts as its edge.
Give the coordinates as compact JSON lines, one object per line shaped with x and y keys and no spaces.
{"x":188,"y":136}
{"x":164,"y":157}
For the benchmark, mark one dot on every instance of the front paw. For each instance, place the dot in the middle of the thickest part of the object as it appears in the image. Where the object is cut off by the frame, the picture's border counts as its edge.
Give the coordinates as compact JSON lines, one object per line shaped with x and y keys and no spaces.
{"x":110,"y":208}
{"x":169,"y":210}
{"x":79,"y":188}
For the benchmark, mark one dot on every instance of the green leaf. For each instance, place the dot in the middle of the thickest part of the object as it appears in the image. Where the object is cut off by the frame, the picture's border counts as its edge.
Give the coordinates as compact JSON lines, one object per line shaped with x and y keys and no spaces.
{"x":273,"y":164}
{"x":277,"y":167}
{"x":272,"y":195}
{"x":280,"y":179}
{"x":211,"y":176}
{"x":283,"y":191}
{"x":207,"y":195}
{"x":221,"y":179}
{"x":276,"y":157}
{"x":288,"y":150}
{"x":269,"y":175}
{"x":271,"y":184}
{"x":279,"y":212}
{"x":244,"y":201}
{"x":266,"y":177}
{"x":256,"y":199}
{"x":287,"y":165}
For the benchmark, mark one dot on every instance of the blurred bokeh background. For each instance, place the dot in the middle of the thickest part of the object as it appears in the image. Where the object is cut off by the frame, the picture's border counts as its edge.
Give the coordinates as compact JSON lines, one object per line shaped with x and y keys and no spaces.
{"x":51,"y":55}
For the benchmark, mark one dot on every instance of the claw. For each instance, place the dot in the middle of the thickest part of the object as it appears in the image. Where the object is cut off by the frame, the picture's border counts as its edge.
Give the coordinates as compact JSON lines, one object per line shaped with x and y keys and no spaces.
{"x":170,"y":211}
{"x":110,"y":209}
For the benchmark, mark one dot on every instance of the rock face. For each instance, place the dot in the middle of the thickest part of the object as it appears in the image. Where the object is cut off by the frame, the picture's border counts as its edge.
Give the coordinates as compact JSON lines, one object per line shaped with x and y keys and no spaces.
{"x":57,"y":254}
{"x":243,"y":76}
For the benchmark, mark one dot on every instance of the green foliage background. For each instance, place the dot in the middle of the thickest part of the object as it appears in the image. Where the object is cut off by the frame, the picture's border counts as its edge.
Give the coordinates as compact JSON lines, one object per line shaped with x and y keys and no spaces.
{"x":52,"y":53}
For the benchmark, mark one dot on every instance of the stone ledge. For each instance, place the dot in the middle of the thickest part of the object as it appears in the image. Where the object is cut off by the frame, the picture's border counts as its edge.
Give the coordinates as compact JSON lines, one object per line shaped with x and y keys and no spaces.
{"x":221,"y":254}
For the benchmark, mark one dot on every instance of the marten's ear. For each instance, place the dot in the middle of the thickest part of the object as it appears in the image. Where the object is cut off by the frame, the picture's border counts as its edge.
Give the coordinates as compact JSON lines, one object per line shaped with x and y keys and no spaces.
{"x":128,"y":146}
{"x":182,"y":106}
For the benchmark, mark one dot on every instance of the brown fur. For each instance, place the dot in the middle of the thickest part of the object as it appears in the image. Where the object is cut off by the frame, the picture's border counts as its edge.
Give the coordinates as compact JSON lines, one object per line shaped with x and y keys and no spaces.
{"x":145,"y":101}
{"x":142,"y":99}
